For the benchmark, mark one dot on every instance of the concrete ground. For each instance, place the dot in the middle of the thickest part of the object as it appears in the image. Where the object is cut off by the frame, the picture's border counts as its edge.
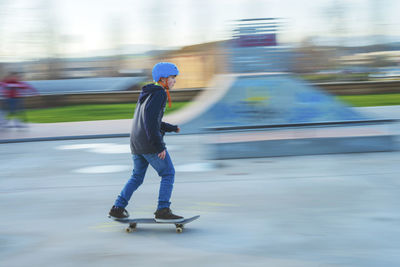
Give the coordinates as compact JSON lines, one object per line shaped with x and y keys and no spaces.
{"x":324,"y":210}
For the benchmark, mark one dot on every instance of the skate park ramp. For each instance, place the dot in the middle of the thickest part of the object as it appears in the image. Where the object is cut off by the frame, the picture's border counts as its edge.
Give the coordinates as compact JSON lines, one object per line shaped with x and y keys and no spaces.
{"x":277,"y":114}
{"x":264,"y":99}
{"x":260,"y":110}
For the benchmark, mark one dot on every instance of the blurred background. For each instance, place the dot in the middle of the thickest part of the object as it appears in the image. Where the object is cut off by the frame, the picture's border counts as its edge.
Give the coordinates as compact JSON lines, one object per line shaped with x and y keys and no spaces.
{"x":326,"y":39}
{"x":274,"y":79}
{"x":74,"y":52}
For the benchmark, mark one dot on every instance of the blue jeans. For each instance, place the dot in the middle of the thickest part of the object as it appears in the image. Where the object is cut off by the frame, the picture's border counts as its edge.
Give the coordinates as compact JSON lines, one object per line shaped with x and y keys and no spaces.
{"x":165,"y":170}
{"x":15,"y":105}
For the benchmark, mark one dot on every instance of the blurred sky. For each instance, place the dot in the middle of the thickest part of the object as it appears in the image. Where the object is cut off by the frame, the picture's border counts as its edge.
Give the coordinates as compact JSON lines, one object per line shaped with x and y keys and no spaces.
{"x":86,"y":27}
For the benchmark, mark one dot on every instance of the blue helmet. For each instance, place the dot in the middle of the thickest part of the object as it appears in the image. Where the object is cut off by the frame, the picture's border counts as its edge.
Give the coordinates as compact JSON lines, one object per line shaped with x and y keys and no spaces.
{"x":164,"y":70}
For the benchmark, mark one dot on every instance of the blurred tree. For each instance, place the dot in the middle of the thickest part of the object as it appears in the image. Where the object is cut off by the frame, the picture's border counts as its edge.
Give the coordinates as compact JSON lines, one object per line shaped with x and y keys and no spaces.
{"x":311,"y":58}
{"x":49,"y":37}
{"x":376,"y":21}
{"x":115,"y":35}
{"x":337,"y":17}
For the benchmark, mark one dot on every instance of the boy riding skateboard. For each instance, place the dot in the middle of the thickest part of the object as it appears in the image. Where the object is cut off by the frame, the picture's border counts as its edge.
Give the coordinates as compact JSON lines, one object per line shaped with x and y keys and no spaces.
{"x":147,"y":145}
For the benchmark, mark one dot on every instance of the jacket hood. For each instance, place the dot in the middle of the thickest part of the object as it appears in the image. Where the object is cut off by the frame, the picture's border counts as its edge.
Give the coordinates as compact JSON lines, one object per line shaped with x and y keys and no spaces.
{"x":147,"y":90}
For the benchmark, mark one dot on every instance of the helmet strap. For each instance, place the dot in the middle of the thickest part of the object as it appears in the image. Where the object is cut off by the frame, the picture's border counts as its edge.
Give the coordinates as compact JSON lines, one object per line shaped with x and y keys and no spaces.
{"x":165,"y":86}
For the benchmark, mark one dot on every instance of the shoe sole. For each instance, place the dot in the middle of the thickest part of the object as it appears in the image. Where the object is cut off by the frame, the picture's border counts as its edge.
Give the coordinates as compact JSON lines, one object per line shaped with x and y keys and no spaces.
{"x":169,"y":220}
{"x":119,"y":218}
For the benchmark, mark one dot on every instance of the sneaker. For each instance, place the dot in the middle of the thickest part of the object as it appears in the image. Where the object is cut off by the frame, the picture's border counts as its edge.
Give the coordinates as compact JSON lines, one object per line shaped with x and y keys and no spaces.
{"x":118,"y":213}
{"x":166,"y":215}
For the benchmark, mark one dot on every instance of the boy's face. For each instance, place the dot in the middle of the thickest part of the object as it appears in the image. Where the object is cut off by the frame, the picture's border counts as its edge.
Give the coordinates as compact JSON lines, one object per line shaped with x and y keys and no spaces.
{"x":170,"y":81}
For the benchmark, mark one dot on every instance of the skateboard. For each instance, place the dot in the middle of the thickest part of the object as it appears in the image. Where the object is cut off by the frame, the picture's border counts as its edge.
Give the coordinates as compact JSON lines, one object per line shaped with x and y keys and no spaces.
{"x":133,"y":223}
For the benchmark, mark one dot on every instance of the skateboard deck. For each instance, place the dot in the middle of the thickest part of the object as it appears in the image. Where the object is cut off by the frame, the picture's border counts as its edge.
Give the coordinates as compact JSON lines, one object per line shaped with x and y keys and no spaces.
{"x":133,"y":223}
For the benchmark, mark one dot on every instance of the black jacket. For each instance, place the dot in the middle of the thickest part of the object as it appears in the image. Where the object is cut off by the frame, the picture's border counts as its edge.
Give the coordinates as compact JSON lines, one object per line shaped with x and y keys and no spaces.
{"x":147,"y":127}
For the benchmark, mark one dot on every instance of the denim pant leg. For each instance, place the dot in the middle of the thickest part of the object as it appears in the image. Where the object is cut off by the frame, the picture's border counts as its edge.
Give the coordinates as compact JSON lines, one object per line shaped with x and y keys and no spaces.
{"x":12,"y":106}
{"x":166,"y":171}
{"x":140,"y":165}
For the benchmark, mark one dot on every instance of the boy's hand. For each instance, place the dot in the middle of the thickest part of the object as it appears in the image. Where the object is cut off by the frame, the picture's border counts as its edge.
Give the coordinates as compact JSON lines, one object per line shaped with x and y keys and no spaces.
{"x":162,"y":155}
{"x":178,"y":130}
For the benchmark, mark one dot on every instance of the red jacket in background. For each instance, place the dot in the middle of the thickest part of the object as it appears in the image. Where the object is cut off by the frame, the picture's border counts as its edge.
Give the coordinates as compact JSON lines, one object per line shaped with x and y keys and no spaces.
{"x":11,"y":88}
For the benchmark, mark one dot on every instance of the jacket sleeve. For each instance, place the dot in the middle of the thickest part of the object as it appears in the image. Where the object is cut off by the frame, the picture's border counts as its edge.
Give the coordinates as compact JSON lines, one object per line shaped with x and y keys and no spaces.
{"x":166,"y":127}
{"x":153,"y":110}
{"x":27,"y":86}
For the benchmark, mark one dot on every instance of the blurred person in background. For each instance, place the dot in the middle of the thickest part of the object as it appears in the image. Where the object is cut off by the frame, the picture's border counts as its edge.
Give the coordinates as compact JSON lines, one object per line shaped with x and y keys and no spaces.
{"x":3,"y":120}
{"x":147,"y":145}
{"x":13,"y":92}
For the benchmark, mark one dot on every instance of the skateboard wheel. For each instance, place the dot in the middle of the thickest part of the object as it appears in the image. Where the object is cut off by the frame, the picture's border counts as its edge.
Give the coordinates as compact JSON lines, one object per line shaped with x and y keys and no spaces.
{"x":179,"y":230}
{"x":129,"y":230}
